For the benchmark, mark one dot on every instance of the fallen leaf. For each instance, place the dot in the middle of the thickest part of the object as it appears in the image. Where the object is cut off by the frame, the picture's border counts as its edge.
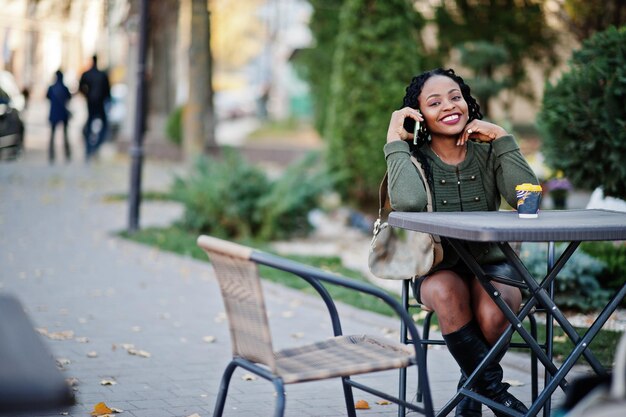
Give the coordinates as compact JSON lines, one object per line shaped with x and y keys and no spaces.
{"x":127,"y":346}
{"x":209,"y":339}
{"x":298,"y":335}
{"x":72,"y":382}
{"x":362,"y":405}
{"x":92,"y":354}
{"x":62,"y":362}
{"x":194,"y":415}
{"x":64,"y":335}
{"x":101,"y":409}
{"x":514,"y":382}
{"x":248,"y":377}
{"x":108,"y":382}
{"x":383,"y":402}
{"x":138,"y":352}
{"x":82,"y":339}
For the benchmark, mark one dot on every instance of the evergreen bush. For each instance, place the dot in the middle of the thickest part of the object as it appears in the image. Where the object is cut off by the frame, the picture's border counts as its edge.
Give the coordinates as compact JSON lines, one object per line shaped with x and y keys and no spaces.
{"x":613,"y":254}
{"x":220,"y":196}
{"x":231,"y":198}
{"x":377,"y":53}
{"x":283,"y":211}
{"x":583,"y":116}
{"x":577,"y":286}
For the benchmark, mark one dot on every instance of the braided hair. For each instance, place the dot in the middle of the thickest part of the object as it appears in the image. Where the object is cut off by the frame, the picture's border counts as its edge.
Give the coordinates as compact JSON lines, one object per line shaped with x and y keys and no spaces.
{"x":411,"y":100}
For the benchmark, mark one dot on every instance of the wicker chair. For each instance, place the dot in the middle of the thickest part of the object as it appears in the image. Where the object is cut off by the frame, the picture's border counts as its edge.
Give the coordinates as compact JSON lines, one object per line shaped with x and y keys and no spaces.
{"x":341,"y":356}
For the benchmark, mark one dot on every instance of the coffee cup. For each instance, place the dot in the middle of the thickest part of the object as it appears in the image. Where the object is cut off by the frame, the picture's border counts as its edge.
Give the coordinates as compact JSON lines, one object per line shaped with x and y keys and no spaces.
{"x":528,"y":199}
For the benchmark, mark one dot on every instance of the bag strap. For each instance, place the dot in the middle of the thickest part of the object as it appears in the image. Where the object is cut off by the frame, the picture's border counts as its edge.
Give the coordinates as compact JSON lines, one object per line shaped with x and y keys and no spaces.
{"x":429,"y":198}
{"x":383,"y":193}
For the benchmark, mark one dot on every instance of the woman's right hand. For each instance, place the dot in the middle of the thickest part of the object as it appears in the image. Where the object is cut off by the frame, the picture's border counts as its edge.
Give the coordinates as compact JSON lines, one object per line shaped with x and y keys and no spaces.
{"x":396,"y":130}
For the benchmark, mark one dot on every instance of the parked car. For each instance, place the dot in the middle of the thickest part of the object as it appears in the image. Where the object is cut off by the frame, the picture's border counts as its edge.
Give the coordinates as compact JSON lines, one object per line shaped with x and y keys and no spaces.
{"x":11,"y":124}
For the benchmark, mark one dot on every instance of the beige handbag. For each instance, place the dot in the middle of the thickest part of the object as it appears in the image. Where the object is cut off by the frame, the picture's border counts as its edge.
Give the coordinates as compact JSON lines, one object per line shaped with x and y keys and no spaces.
{"x":402,"y":254}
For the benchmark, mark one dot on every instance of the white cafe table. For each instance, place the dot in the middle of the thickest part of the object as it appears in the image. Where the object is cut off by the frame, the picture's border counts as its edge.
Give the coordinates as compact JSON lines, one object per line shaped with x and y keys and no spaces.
{"x":502,"y":228}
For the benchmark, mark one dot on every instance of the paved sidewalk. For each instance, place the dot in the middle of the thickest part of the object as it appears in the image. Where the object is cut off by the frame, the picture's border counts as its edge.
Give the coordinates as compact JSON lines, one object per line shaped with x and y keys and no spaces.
{"x":99,"y":294}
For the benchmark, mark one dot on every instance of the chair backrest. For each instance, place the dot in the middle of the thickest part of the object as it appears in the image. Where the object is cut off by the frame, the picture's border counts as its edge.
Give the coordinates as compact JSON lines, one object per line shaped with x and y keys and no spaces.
{"x":242,"y":294}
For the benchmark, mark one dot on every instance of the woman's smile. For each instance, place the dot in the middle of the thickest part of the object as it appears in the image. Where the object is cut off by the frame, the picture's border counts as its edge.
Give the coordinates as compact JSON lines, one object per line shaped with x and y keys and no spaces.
{"x":451,"y":119}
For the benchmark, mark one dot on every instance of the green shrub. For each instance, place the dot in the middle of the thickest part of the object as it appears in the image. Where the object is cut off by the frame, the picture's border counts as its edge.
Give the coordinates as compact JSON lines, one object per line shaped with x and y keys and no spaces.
{"x":232,"y":199}
{"x":583,"y":116}
{"x":283,"y":210}
{"x":614,"y":257}
{"x":174,"y":126}
{"x":220,"y":196}
{"x":577,"y":285}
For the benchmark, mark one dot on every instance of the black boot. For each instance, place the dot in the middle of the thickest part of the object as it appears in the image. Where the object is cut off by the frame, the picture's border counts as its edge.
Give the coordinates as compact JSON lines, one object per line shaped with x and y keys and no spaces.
{"x":469,"y":347}
{"x":468,"y":407}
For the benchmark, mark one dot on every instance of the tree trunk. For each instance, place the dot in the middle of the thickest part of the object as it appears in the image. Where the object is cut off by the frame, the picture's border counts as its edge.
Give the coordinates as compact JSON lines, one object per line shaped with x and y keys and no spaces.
{"x":198,"y":125}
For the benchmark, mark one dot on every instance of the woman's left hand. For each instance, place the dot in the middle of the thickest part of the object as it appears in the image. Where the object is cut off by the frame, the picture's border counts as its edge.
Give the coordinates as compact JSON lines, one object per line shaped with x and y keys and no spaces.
{"x":481,"y":131}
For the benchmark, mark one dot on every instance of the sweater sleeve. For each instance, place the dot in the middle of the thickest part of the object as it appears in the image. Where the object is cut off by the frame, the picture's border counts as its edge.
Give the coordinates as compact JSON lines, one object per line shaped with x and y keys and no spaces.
{"x":511,"y":168}
{"x":406,"y":189}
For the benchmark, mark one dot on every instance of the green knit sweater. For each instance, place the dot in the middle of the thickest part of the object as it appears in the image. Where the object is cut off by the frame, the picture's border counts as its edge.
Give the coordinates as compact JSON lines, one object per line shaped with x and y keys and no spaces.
{"x":476,"y":184}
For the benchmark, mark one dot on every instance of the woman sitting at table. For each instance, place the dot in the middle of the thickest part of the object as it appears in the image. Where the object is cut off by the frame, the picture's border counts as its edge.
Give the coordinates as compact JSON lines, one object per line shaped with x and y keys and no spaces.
{"x":470,"y":164}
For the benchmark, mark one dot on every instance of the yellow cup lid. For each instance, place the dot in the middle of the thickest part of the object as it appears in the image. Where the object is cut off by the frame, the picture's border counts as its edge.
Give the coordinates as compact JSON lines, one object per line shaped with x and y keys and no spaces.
{"x":528,"y":187}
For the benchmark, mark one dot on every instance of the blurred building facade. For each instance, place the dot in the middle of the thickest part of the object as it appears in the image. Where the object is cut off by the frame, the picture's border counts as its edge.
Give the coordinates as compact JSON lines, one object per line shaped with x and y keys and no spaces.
{"x":40,"y":36}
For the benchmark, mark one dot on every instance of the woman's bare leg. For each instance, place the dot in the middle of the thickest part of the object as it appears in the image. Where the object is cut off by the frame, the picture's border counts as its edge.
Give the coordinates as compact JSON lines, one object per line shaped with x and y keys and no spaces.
{"x":449,"y":296}
{"x":490,"y":318}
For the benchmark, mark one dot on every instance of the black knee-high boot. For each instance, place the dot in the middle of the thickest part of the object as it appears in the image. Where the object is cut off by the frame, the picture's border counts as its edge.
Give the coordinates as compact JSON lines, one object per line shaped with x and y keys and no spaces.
{"x":469,"y":347}
{"x":467,"y":407}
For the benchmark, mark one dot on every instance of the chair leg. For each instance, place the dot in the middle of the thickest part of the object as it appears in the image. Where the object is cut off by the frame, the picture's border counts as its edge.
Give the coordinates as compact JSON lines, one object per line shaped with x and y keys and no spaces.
{"x":425,"y":335}
{"x":279,"y":410}
{"x":404,"y":339}
{"x":347,"y":393}
{"x":221,"y":396}
{"x":534,"y":371}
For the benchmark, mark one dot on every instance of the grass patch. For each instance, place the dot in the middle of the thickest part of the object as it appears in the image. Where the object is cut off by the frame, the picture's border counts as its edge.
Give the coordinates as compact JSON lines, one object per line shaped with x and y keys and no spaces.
{"x":603,"y":346}
{"x":183,"y":242}
{"x":145,"y":196}
{"x":279,"y":128}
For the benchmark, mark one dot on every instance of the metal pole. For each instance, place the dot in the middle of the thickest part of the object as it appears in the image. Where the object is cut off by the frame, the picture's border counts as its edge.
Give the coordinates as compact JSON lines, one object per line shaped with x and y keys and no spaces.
{"x":136,"y":149}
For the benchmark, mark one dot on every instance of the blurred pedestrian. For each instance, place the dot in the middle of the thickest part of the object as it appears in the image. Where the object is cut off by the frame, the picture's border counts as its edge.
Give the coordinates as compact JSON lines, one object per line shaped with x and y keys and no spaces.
{"x":94,"y":85}
{"x":59,"y":96}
